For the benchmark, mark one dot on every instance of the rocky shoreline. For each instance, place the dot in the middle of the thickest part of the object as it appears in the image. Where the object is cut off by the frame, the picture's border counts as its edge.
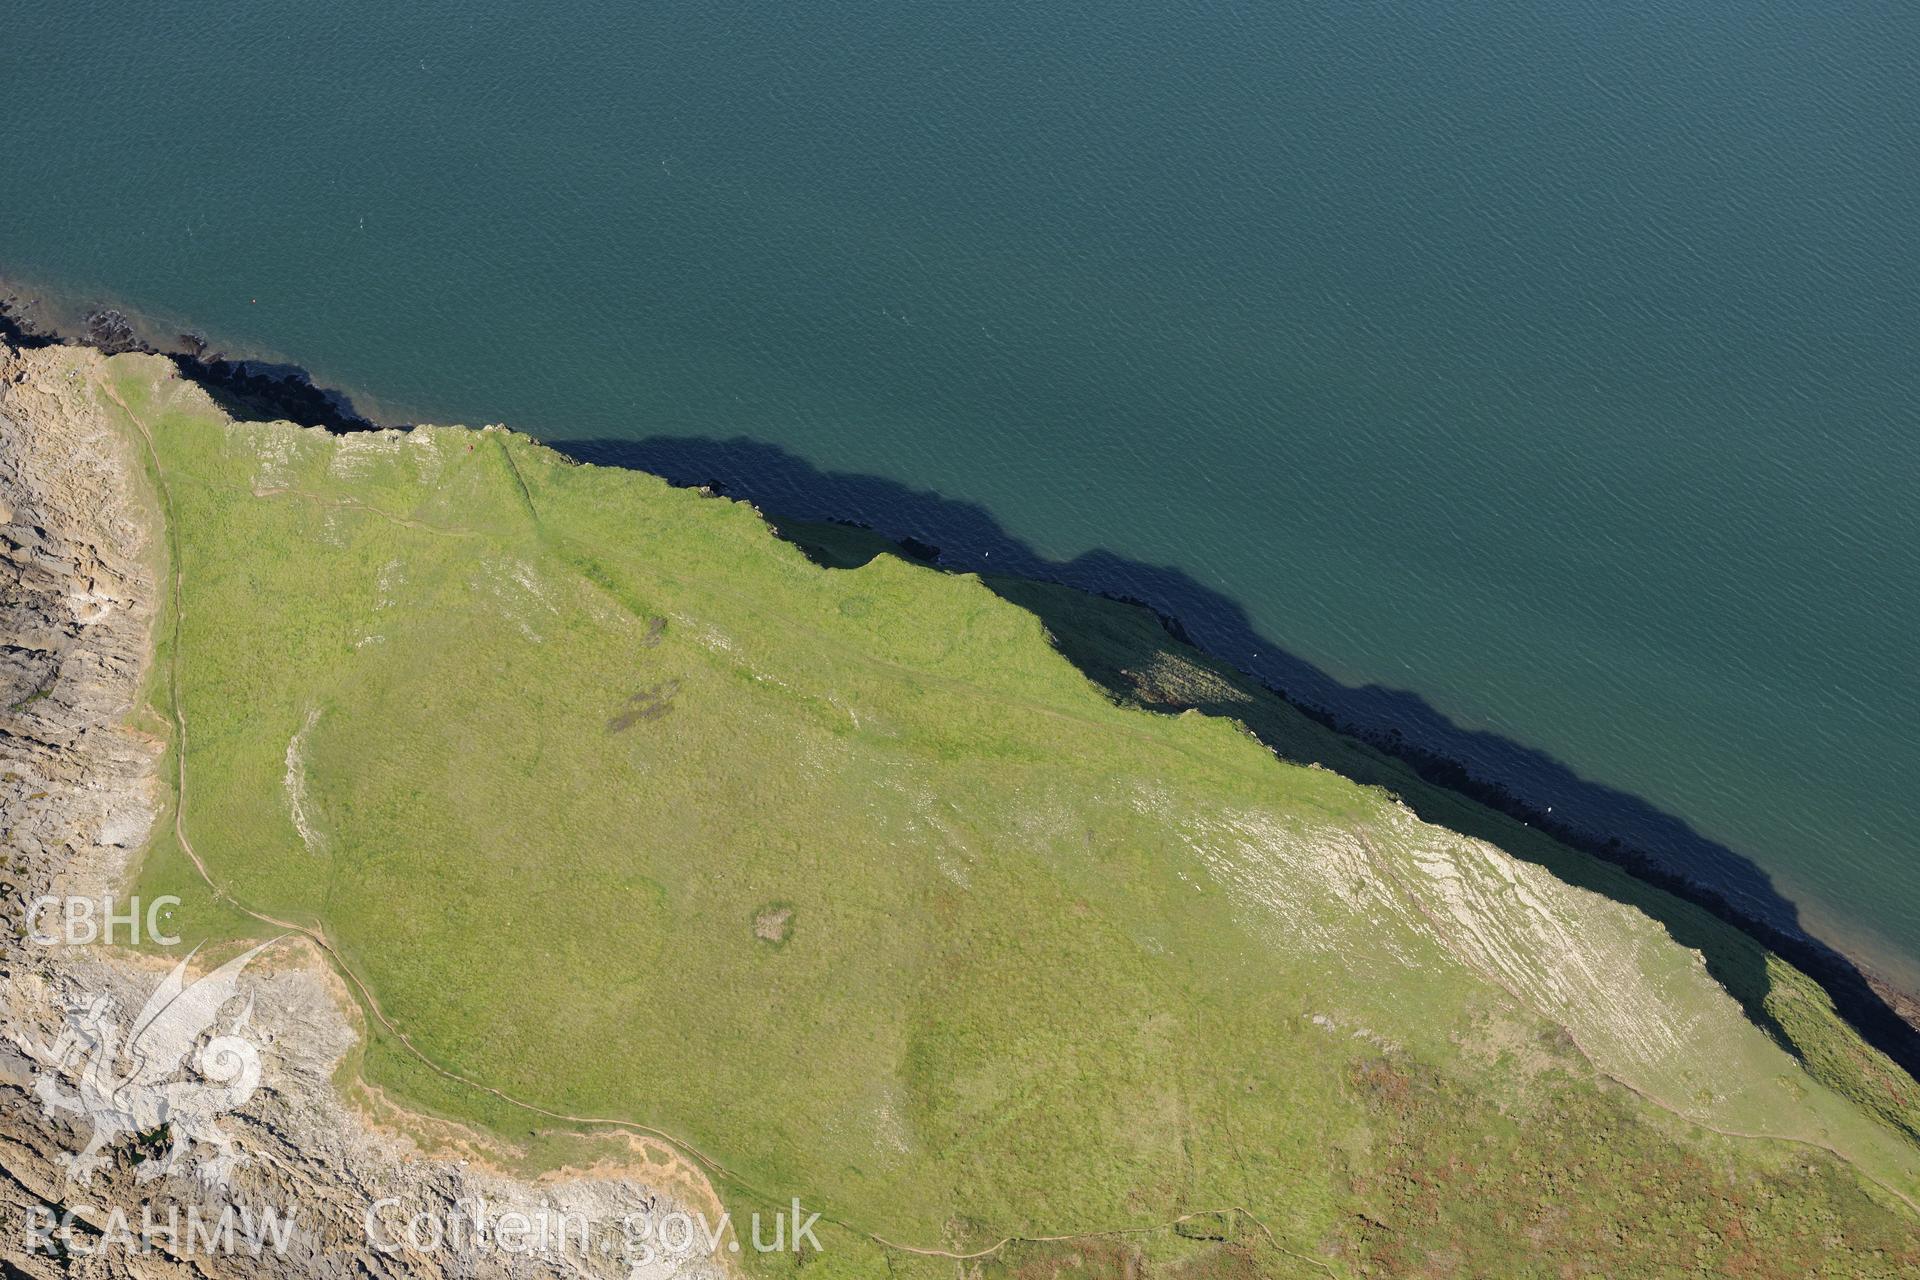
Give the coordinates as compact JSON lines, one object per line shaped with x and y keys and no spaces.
{"x":80,"y":794}
{"x":250,"y":390}
{"x":1886,"y":1015}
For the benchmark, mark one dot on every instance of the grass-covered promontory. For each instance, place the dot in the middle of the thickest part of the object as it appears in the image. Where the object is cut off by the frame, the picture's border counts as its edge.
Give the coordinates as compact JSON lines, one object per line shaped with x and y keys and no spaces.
{"x":874,"y":891}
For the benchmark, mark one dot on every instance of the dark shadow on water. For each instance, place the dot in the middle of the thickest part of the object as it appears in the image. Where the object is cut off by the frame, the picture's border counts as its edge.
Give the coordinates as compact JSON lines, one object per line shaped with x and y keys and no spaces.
{"x":1474,"y":781}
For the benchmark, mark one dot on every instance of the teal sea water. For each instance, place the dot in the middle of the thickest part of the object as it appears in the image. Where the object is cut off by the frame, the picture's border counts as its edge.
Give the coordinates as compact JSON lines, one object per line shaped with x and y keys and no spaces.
{"x":1555,"y":363}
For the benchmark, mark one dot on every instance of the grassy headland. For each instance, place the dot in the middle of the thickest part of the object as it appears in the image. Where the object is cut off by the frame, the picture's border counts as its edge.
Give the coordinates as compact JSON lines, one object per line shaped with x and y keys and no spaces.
{"x":543,"y":748}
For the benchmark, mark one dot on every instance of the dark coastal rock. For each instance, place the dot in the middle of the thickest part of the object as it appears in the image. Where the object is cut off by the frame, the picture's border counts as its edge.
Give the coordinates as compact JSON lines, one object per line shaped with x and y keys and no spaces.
{"x":249,"y":390}
{"x":110,"y":331}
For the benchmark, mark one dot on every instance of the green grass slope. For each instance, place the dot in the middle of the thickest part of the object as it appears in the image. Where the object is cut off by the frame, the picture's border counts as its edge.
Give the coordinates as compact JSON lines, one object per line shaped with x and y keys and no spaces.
{"x":853,"y":881}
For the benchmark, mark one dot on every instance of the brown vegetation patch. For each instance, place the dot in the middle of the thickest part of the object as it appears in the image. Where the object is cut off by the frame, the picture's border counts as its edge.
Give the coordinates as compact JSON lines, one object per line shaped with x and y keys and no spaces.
{"x":649,"y":703}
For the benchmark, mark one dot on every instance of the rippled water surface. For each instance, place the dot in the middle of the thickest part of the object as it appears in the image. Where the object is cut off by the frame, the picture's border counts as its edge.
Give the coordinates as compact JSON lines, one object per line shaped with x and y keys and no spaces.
{"x":1554,"y":362}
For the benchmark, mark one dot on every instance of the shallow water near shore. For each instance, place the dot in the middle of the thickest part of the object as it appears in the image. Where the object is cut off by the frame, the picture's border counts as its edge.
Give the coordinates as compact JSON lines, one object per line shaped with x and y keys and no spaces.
{"x":1552,"y":363}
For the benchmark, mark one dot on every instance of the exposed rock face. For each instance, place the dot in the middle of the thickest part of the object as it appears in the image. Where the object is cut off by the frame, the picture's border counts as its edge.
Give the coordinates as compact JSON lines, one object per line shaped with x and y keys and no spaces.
{"x":81,"y":578}
{"x":76,"y":612}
